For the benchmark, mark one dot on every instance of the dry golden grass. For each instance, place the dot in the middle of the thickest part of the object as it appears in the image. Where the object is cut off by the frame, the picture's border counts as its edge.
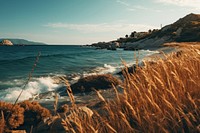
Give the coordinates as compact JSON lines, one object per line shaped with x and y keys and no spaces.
{"x":195,"y":45}
{"x":2,"y":123}
{"x":163,"y":97}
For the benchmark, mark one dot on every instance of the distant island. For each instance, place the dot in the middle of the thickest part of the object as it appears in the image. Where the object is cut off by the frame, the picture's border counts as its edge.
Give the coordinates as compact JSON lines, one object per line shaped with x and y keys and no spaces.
{"x":6,"y":43}
{"x":19,"y":42}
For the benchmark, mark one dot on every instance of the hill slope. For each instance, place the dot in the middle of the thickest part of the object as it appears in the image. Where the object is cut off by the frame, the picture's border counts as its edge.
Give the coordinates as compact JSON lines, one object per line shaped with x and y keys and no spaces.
{"x":186,"y":29}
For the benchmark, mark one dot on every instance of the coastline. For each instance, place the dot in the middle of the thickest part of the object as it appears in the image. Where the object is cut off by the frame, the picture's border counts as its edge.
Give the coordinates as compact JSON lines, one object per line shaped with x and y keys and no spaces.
{"x":85,"y":99}
{"x":103,"y":104}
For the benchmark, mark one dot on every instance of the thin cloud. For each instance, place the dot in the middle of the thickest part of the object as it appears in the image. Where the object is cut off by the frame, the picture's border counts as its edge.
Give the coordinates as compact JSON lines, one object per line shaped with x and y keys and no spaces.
{"x":138,"y":7}
{"x":135,"y":7}
{"x":101,"y":28}
{"x":123,"y":3}
{"x":183,"y":3}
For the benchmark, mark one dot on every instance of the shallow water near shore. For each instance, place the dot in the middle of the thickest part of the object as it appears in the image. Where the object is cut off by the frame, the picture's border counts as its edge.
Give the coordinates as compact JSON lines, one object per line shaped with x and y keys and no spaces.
{"x":73,"y":62}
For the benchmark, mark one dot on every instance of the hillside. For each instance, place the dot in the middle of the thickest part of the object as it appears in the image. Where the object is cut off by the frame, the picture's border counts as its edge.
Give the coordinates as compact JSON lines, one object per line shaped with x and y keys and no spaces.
{"x":186,"y":29}
{"x":22,"y":42}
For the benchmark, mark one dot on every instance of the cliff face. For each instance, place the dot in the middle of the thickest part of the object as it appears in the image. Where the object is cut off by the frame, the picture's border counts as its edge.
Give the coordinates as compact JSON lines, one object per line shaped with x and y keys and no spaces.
{"x":186,"y":29}
{"x":6,"y":43}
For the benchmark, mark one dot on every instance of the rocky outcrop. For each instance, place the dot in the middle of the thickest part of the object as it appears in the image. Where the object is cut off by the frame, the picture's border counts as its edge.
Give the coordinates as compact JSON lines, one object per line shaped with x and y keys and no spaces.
{"x":107,"y":45}
{"x":113,"y":46}
{"x":87,"y":84}
{"x":6,"y":43}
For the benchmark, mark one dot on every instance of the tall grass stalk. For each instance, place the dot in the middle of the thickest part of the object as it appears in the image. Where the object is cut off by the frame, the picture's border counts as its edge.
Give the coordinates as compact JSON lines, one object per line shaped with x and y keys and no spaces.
{"x":24,"y":86}
{"x":69,"y":91}
{"x":2,"y":122}
{"x":29,"y":77}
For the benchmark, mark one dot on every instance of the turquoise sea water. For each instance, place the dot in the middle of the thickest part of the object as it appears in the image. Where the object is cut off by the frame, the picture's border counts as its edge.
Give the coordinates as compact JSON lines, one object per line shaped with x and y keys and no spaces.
{"x":59,"y":60}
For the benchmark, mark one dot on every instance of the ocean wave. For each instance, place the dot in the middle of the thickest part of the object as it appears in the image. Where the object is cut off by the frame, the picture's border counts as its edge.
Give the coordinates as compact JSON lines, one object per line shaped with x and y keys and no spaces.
{"x":33,"y":57}
{"x":15,"y":82}
{"x":34,"y":87}
{"x":101,"y":70}
{"x":46,"y":84}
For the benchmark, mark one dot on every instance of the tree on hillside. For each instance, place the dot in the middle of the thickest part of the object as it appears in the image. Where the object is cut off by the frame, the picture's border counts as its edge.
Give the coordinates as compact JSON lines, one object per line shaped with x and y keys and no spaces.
{"x":150,"y":30}
{"x":133,"y":34}
{"x":126,"y":36}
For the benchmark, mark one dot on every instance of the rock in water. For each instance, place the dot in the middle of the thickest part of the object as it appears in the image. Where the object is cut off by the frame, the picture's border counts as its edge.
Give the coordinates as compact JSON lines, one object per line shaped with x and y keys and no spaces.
{"x":6,"y":43}
{"x":87,"y":84}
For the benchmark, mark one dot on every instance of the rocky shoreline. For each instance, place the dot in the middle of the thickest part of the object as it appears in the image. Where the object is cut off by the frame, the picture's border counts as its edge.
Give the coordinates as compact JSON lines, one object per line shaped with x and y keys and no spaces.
{"x":84,"y":88}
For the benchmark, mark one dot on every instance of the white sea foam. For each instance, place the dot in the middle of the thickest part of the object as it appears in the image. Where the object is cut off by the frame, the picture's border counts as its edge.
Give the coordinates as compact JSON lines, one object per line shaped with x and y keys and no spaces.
{"x":36,"y":86}
{"x":108,"y":69}
{"x":76,"y":78}
{"x":15,"y":82}
{"x":101,"y":70}
{"x":149,"y":52}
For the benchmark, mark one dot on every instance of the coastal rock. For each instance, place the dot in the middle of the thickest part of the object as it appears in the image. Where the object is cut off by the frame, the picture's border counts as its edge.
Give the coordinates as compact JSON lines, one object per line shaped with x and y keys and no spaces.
{"x":112,"y":47}
{"x":107,"y":45}
{"x":6,"y":43}
{"x":87,"y":84}
{"x":45,"y":95}
{"x":131,"y":69}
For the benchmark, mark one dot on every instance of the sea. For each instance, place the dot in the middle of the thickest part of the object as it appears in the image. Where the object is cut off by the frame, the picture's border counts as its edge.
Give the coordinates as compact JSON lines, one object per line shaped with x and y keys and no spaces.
{"x":70,"y":61}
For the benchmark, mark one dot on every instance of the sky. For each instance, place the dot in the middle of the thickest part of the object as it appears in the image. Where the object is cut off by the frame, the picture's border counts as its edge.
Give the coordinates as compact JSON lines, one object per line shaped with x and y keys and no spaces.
{"x":87,"y":21}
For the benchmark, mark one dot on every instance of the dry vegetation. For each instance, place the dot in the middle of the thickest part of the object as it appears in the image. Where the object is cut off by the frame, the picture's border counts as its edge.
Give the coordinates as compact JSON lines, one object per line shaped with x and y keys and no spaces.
{"x":193,"y":45}
{"x":21,"y":116}
{"x":163,"y":97}
{"x":160,"y":97}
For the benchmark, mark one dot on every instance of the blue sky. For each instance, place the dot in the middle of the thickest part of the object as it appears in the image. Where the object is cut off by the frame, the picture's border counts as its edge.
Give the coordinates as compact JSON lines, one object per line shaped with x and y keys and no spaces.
{"x":87,"y":21}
